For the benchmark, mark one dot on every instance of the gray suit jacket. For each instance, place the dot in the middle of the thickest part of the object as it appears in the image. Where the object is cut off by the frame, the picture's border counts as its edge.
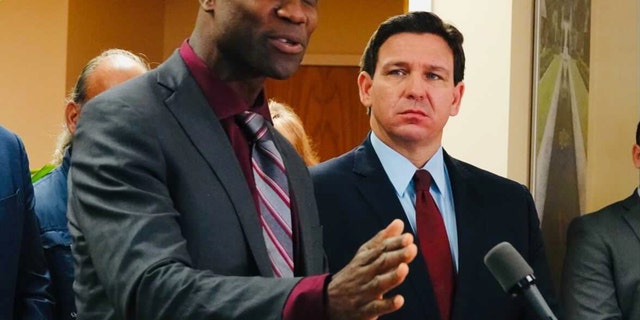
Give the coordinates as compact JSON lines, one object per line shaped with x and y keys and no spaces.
{"x":163,"y":222}
{"x":601,"y":277}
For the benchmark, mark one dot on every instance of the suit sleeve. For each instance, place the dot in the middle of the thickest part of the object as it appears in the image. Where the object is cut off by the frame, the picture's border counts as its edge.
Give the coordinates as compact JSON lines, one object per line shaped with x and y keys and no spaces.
{"x":121,"y":203}
{"x":33,"y":300}
{"x":588,"y":289}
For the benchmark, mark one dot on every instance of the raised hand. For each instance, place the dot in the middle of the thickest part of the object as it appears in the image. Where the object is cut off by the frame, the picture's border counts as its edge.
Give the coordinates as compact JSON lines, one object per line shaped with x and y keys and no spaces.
{"x":357,"y":291}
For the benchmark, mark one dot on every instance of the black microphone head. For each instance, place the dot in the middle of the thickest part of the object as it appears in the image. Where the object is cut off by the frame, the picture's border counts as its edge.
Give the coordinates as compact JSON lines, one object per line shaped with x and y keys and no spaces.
{"x":507,"y":265}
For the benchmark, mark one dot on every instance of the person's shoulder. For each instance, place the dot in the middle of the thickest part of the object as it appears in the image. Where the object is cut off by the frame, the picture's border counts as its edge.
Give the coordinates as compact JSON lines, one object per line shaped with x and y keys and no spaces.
{"x":54,"y":176}
{"x":51,"y":185}
{"x":13,"y":156}
{"x":334,"y":166}
{"x":479,"y":175}
{"x":14,"y":165}
{"x":140,"y":88}
{"x":50,"y":205}
{"x":10,"y":141}
{"x":600,"y":218}
{"x":134,"y":101}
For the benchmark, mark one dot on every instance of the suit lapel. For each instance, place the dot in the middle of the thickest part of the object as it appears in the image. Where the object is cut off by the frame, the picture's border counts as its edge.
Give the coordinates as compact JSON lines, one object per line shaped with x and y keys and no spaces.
{"x":631,"y":214}
{"x":190,"y":108}
{"x":470,"y":224}
{"x":377,"y":190}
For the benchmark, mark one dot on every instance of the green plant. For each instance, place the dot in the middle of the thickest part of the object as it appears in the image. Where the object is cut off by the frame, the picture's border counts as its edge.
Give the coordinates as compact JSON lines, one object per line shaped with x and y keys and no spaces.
{"x":37,"y":174}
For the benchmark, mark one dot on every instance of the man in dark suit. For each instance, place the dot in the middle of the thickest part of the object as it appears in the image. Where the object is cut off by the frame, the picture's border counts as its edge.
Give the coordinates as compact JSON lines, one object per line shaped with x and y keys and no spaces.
{"x":24,"y":279}
{"x":411,"y":82}
{"x":172,"y":214}
{"x":601,"y":274}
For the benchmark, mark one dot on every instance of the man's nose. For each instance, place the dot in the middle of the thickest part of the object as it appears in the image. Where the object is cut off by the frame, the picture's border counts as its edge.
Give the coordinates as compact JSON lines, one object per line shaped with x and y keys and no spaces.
{"x":293,"y":11}
{"x":416,"y":87}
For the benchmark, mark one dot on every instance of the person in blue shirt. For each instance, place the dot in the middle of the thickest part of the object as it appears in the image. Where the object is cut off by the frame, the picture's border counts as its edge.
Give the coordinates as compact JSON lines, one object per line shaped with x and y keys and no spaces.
{"x":411,"y":82}
{"x":24,"y":279}
{"x":101,"y":73}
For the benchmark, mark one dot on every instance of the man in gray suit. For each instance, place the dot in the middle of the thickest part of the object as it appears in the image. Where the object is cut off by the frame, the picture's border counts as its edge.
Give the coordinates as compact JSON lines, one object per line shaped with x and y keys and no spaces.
{"x":166,"y":212}
{"x":601,"y":276}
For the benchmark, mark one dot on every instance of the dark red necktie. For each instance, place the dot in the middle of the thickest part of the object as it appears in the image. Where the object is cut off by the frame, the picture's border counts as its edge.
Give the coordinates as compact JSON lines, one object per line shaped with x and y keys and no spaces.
{"x":434,"y":243}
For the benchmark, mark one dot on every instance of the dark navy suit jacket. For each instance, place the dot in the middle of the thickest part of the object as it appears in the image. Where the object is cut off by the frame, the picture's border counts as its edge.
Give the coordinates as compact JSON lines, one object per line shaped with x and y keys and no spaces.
{"x":24,"y":279}
{"x":356,"y":199}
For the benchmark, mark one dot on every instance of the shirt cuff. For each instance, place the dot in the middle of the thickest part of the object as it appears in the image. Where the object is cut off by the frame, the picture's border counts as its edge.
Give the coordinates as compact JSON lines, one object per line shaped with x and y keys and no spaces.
{"x":307,"y":299}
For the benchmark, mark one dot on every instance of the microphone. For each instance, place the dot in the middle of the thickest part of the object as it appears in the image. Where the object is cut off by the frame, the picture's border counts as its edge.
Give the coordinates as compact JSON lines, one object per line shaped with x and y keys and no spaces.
{"x":516,"y":277}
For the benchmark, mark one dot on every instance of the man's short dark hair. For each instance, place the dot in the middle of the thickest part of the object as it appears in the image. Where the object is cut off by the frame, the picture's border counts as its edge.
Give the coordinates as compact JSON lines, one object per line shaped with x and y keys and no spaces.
{"x":638,"y":134}
{"x":415,"y":22}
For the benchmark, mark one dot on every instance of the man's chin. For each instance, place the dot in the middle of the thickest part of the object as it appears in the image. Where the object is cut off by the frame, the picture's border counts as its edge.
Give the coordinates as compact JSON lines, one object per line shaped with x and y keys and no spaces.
{"x":282,"y":70}
{"x":414,"y":135}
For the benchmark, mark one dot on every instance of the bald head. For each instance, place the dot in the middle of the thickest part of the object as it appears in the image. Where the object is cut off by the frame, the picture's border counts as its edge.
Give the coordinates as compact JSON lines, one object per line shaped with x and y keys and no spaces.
{"x":110,"y":71}
{"x":114,"y":66}
{"x":110,"y":68}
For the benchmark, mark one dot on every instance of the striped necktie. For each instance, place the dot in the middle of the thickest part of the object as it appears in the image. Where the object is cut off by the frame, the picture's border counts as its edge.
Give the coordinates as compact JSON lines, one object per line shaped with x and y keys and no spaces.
{"x":273,"y":193}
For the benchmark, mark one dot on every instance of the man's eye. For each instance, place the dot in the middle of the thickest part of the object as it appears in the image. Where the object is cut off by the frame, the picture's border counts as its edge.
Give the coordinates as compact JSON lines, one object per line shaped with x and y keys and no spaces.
{"x":312,"y":3}
{"x":433,"y":76}
{"x":397,"y":72}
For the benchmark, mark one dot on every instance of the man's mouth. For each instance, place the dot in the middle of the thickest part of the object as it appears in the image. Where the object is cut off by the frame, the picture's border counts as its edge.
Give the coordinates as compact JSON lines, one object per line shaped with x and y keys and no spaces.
{"x":287,"y":44}
{"x":414,"y":112}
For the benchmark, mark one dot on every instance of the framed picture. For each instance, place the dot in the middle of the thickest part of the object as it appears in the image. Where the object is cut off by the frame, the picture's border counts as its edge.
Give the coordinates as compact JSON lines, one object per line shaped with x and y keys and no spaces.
{"x":560,"y":110}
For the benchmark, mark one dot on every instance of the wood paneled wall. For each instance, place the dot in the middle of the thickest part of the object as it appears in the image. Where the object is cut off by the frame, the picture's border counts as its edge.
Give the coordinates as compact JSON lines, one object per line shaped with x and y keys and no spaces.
{"x":326,"y":99}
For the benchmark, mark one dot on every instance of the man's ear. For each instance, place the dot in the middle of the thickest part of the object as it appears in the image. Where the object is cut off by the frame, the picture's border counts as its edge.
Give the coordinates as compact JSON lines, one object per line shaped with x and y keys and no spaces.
{"x":71,"y":115}
{"x":635,"y":154}
{"x":364,"y":87}
{"x":458,"y":92}
{"x":207,"y":5}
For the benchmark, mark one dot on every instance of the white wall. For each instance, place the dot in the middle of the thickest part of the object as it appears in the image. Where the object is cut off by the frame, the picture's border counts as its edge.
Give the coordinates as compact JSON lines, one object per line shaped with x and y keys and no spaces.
{"x":479,"y":134}
{"x":613,"y":101}
{"x":419,"y":5}
{"x":492,"y":130}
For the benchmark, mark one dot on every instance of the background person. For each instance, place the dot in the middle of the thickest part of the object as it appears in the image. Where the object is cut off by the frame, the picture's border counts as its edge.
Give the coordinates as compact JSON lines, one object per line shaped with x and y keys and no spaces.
{"x":411,"y":82}
{"x":24,"y":279}
{"x":287,"y":122}
{"x":108,"y":69}
{"x":162,"y":170}
{"x":601,"y":275}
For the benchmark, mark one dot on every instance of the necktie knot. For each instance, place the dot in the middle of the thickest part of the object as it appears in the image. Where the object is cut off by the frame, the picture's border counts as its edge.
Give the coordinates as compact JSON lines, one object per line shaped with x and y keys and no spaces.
{"x":253,"y":124}
{"x":422,"y":180}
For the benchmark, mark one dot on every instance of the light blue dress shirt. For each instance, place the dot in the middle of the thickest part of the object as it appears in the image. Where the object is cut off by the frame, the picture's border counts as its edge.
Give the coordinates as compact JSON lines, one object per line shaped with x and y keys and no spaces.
{"x":400,"y":172}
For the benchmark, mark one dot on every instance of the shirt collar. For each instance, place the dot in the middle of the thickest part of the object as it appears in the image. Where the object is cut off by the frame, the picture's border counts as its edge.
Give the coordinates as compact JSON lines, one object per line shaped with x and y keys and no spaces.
{"x":436,"y":168}
{"x":224,"y":101}
{"x":400,"y":170}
